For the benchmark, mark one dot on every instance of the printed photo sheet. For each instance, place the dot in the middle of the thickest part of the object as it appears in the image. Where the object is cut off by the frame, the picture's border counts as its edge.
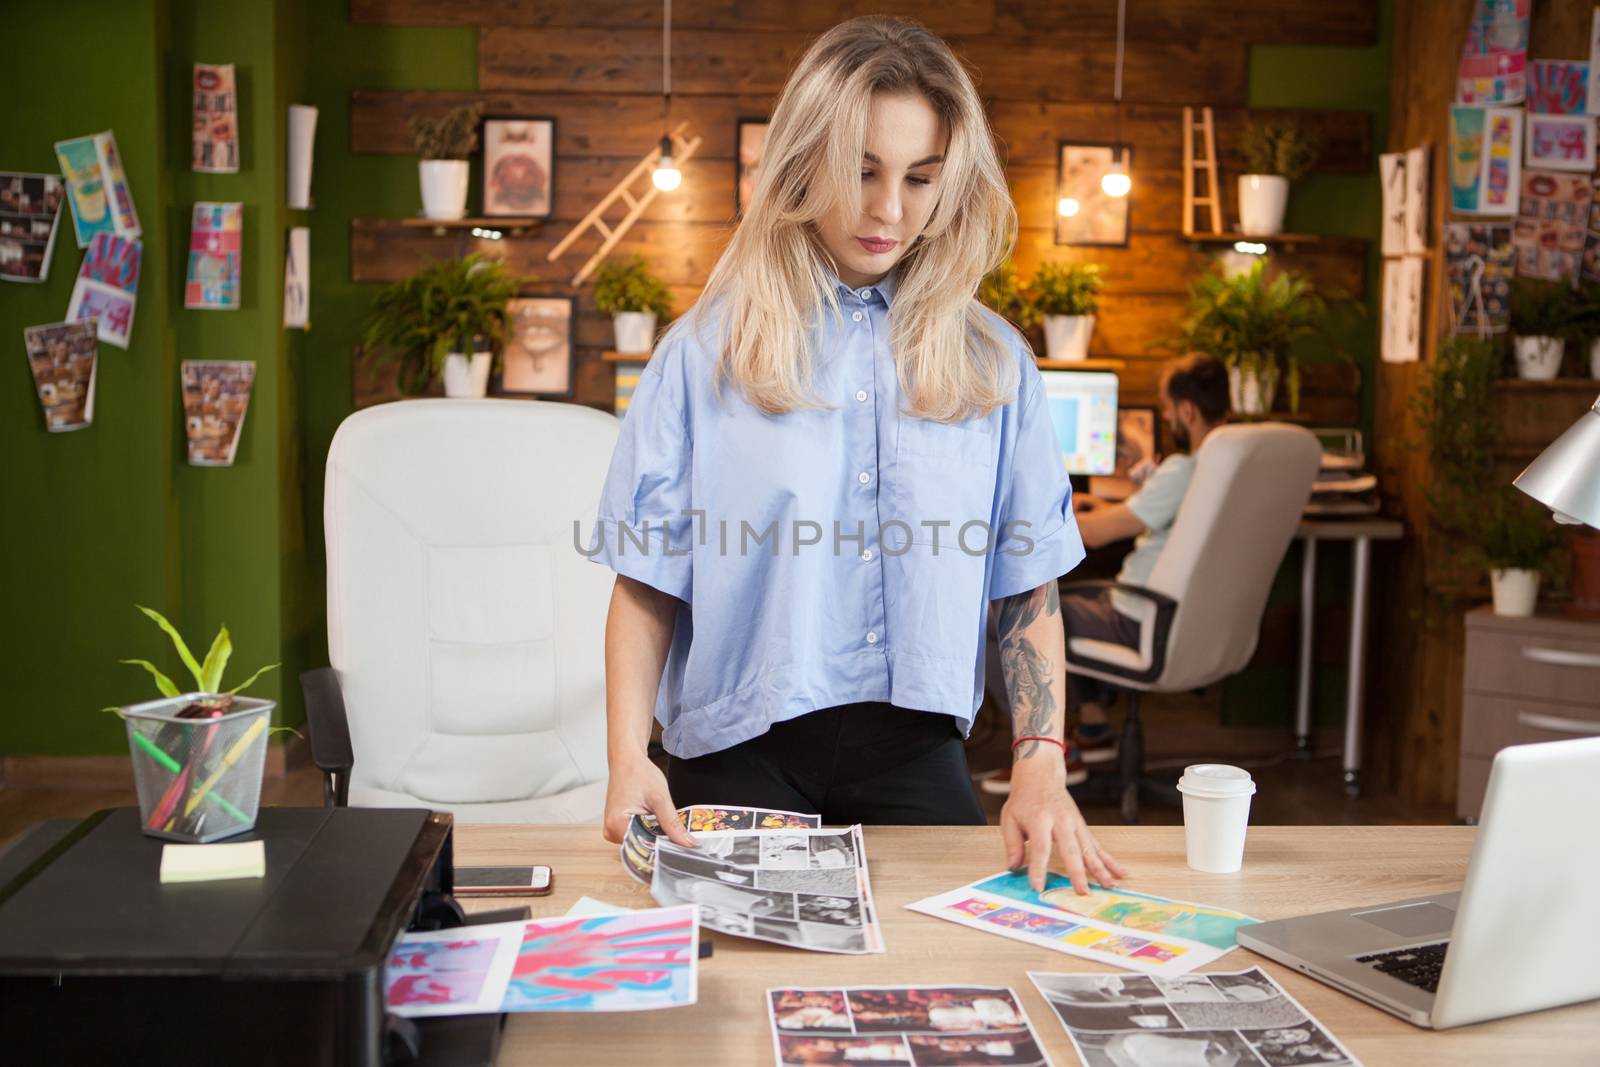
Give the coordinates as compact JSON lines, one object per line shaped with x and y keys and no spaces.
{"x":30,"y":210}
{"x":216,"y":397}
{"x":805,"y":888}
{"x":633,"y":961}
{"x":63,"y":357}
{"x":106,"y":291}
{"x":216,"y":123}
{"x":216,"y":242}
{"x":1242,"y":1018}
{"x":1138,"y":931}
{"x":97,"y":187}
{"x":639,"y":843}
{"x":902,"y":1026}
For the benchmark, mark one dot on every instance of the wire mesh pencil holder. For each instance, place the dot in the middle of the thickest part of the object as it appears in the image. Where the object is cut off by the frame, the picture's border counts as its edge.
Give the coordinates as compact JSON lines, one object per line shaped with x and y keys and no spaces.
{"x":198,"y":774}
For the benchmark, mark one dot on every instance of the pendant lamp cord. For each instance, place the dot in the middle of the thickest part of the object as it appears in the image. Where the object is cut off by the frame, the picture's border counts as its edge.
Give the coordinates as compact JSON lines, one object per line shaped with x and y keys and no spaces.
{"x":666,"y":67}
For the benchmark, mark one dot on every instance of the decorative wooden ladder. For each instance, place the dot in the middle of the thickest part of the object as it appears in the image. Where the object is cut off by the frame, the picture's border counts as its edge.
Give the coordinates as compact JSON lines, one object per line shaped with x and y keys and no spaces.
{"x":682,"y":149}
{"x":1207,"y":162}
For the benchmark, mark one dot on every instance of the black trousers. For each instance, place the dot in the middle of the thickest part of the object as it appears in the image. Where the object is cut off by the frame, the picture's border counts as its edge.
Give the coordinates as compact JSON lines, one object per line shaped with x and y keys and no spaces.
{"x":870,"y":763}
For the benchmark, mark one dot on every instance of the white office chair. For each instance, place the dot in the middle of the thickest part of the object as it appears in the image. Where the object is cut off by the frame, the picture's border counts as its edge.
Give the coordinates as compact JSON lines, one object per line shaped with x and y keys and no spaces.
{"x":1203,"y":603}
{"x":465,"y":630}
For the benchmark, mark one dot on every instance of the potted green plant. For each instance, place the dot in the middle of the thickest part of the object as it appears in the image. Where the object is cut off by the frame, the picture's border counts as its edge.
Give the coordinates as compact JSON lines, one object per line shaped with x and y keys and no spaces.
{"x":1000,"y":293}
{"x":197,"y":755}
{"x":1544,"y":314}
{"x":444,"y":145}
{"x":1251,"y":324}
{"x":635,"y":299}
{"x":1277,"y":153}
{"x":1516,"y":540}
{"x":1065,"y":295}
{"x":447,"y":320}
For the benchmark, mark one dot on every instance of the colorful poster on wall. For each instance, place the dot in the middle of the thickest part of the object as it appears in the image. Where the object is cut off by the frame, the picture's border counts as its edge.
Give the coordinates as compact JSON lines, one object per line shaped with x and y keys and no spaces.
{"x":216,"y":121}
{"x":297,"y":280}
{"x":1560,"y":142}
{"x":107,"y":288}
{"x":97,"y":187}
{"x":1493,"y":67}
{"x":1558,"y":87}
{"x":216,"y":240}
{"x":216,"y":396}
{"x":30,"y":212}
{"x":902,"y":1026}
{"x":1478,"y":263}
{"x":1551,"y":224}
{"x":1485,"y":159}
{"x":63,"y":357}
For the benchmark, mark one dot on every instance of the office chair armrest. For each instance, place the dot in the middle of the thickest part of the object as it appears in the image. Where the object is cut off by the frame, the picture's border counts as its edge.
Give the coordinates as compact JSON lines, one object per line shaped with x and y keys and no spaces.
{"x":329,"y":728}
{"x":1166,"y":608}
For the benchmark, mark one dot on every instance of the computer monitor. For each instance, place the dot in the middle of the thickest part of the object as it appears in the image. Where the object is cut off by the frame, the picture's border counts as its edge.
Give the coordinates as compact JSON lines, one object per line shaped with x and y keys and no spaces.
{"x":1083,"y":407}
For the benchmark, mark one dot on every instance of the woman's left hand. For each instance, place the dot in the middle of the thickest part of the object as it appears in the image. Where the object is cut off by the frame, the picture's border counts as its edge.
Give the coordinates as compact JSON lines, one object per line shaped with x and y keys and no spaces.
{"x":1041,"y":814}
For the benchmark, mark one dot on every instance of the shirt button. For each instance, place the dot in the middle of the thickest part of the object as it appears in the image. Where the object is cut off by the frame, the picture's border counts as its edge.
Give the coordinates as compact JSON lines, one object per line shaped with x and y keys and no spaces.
{"x":863,"y":477}
{"x":856,"y":316}
{"x":866,"y":555}
{"x":866,"y":294}
{"x":861,"y":394}
{"x":872,"y":637}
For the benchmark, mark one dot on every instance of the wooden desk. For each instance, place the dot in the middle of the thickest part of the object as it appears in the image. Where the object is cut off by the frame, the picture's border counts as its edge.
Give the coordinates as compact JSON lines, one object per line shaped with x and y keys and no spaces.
{"x":1289,"y":870}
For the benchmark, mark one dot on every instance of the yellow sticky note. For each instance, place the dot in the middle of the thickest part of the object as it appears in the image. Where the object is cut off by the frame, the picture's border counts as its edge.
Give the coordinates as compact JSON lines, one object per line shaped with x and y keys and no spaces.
{"x":213,"y":863}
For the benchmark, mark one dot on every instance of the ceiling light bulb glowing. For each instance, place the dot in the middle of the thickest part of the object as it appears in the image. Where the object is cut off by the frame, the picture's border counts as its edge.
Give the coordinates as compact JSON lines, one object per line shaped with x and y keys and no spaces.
{"x":1115,"y":182}
{"x":1067,"y":207}
{"x":666,"y":176}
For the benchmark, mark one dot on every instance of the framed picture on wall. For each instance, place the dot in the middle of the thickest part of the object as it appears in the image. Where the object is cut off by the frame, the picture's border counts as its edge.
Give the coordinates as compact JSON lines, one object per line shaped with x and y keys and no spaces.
{"x":749,"y":141}
{"x":519,"y":166}
{"x":540,"y":343}
{"x":1085,"y":214}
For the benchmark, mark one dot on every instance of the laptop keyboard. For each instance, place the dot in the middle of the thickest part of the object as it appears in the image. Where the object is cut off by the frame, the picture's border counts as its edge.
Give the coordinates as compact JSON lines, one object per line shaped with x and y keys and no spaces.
{"x":1419,"y":966}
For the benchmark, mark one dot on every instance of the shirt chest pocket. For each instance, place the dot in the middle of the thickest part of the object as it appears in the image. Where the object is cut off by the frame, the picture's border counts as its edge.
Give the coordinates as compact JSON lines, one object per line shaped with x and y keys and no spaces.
{"x":943,"y":477}
{"x":958,"y":442}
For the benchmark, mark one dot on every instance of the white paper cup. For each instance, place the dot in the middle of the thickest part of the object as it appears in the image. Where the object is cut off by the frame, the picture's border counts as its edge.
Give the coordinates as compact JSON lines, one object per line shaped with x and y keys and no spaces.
{"x":1216,"y":812}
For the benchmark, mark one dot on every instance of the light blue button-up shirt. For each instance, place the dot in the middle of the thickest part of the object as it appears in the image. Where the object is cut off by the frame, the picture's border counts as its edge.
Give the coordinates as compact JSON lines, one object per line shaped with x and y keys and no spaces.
{"x":827,"y":556}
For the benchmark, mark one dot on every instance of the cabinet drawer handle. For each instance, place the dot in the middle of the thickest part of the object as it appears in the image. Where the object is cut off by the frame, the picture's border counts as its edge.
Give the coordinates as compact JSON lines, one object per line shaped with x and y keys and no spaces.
{"x":1560,"y":657}
{"x":1556,"y":724}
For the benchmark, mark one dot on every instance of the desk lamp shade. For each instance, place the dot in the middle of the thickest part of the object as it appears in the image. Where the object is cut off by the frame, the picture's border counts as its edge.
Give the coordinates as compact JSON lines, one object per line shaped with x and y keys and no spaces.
{"x":1566,"y":476}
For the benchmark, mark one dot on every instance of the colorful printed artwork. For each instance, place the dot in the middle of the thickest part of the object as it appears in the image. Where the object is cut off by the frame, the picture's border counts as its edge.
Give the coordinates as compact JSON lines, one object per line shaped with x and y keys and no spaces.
{"x":216,"y":241}
{"x":451,"y":972}
{"x":1478,"y":262}
{"x":1134,"y":930}
{"x":1558,"y":87}
{"x":1485,"y":160}
{"x":1493,"y":67}
{"x":216,"y":396}
{"x":637,"y":961}
{"x":30,"y":209}
{"x":639,"y":843}
{"x":216,"y":124}
{"x":1241,"y":1017}
{"x":106,"y":291}
{"x":1560,"y":142}
{"x":63,"y":357}
{"x":949,"y":1026}
{"x":1551,"y":224}
{"x":97,"y":187}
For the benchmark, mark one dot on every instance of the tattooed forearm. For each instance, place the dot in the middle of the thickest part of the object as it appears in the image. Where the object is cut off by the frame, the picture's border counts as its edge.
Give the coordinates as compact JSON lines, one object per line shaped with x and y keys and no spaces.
{"x":1031,"y":677}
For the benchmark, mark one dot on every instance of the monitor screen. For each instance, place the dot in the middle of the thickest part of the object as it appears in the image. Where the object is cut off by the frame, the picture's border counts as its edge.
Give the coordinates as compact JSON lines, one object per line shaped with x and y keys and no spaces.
{"x":1083,"y":406}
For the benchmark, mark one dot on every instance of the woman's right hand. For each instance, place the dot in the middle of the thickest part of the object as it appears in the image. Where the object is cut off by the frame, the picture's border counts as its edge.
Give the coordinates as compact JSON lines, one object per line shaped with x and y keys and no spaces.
{"x":637,"y":787}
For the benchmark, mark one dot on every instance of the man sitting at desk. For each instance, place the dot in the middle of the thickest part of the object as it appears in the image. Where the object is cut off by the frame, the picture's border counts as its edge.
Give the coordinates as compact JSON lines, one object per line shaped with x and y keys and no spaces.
{"x":1194,"y":401}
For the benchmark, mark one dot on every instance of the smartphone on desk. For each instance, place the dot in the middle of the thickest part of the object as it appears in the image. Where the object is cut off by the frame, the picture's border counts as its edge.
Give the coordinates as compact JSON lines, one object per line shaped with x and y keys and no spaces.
{"x":532,"y":881}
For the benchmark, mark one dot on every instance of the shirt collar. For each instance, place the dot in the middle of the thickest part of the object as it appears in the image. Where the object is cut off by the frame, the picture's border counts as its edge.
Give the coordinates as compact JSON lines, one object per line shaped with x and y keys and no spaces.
{"x":884,"y":287}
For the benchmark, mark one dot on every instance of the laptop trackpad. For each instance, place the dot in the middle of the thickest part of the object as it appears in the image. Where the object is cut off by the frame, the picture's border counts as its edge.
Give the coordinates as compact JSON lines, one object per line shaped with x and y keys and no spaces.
{"x":1411,"y":920}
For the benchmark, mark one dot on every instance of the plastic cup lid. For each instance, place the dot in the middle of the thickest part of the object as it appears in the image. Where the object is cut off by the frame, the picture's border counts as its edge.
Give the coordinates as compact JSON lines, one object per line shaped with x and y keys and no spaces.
{"x":1216,"y":780}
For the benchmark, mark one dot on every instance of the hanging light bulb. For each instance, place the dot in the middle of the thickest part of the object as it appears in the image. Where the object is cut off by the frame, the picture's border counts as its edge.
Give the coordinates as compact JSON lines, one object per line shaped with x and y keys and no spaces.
{"x":667,"y":176}
{"x":1116,"y":182}
{"x":1067,"y":206}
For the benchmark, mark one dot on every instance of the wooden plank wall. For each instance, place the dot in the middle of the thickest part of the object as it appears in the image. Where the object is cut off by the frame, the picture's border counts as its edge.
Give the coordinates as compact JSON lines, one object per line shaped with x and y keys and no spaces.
{"x":1044,"y":68}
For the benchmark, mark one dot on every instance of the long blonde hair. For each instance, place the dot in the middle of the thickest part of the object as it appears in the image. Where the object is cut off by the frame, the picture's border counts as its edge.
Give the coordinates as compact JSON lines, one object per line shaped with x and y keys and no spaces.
{"x":952,"y":359}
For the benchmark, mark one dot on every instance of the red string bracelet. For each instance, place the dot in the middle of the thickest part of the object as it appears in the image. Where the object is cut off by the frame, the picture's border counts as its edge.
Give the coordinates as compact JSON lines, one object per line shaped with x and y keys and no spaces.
{"x":1048,"y":740}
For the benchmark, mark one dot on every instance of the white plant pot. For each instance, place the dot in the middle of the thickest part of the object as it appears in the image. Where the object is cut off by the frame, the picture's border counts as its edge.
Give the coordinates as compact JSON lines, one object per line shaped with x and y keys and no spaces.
{"x":1539,"y":358}
{"x":1594,"y":358}
{"x":465,"y":378}
{"x":444,"y":188}
{"x":1262,"y":200}
{"x":1516,"y":591}
{"x":1067,"y":336}
{"x":636,"y":331}
{"x":1252,"y":392}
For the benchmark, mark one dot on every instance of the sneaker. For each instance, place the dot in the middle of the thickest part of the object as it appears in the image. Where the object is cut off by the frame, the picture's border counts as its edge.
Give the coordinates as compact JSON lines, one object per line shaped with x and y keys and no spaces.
{"x":998,"y":784}
{"x":1096,"y":742}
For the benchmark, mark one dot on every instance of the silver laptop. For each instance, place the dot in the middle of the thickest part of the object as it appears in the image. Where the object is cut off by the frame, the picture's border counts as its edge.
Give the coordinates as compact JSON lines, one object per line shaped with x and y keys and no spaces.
{"x":1523,"y":933}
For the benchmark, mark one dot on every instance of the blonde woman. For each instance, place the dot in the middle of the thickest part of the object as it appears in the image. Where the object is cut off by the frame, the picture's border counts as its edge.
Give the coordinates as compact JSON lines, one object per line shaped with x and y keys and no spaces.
{"x":832,"y":468}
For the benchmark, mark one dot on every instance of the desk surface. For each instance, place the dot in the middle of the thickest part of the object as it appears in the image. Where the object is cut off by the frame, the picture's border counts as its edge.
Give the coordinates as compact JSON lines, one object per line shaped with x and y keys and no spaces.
{"x":1289,"y":870}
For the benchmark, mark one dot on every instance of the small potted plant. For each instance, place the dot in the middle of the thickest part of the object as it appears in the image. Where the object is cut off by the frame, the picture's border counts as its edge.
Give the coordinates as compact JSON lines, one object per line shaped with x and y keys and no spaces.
{"x":1000,"y":292}
{"x":1252,"y":324}
{"x":1277,"y":154}
{"x":635,"y":299}
{"x":445,"y":145}
{"x":1516,"y":540}
{"x":1544,"y":315}
{"x":1064,"y":296}
{"x":197,"y":756}
{"x":447,"y":320}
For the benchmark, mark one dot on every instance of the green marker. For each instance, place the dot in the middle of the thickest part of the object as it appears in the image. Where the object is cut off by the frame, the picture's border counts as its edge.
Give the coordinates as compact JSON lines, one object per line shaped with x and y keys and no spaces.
{"x":169,"y":764}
